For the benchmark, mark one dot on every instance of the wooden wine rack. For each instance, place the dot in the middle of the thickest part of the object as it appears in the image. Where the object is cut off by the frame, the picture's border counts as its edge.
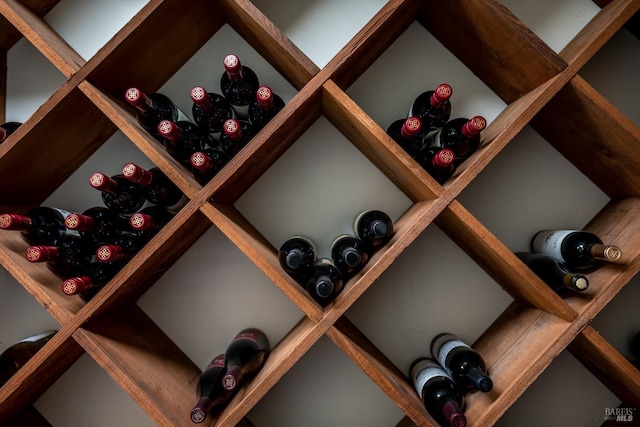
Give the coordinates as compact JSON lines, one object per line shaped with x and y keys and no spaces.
{"x":540,"y":87}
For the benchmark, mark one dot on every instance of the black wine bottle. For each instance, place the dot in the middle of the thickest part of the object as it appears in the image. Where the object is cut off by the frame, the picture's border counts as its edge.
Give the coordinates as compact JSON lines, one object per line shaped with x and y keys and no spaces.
{"x":264,"y":107}
{"x":147,"y":222}
{"x":207,"y":163}
{"x":118,"y":193}
{"x":408,"y":134}
{"x":121,"y":249}
{"x":433,"y":107}
{"x":235,"y":135}
{"x":296,"y":257}
{"x":210,"y":111}
{"x":89,"y":282}
{"x":182,"y":139}
{"x":577,"y":249}
{"x":326,"y":281}
{"x":68,"y":256}
{"x":157,"y":188}
{"x":39,"y":225}
{"x":152,"y":108}
{"x":374,"y":228}
{"x":465,"y":365}
{"x":238,"y":84}
{"x":7,"y":129}
{"x":348,"y":254}
{"x":461,"y":135}
{"x":16,"y":356}
{"x":553,"y":272}
{"x":244,"y":357}
{"x":441,"y":396}
{"x":438,"y":162}
{"x":97,"y":224}
{"x":212,"y":396}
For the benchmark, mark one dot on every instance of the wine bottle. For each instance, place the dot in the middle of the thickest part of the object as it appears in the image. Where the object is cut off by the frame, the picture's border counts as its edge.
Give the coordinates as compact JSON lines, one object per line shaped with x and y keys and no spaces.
{"x":461,"y":135}
{"x":39,"y":225}
{"x":433,"y":107}
{"x":152,"y":108}
{"x":552,"y":272}
{"x":148,"y":221}
{"x":326,"y":281}
{"x":7,"y":129}
{"x":408,"y":134}
{"x":577,"y":249}
{"x":118,"y":193}
{"x":16,"y":356}
{"x":348,"y":254}
{"x":97,"y":224}
{"x":157,"y":188}
{"x":93,"y":278}
{"x":465,"y":365}
{"x":181,"y":139}
{"x":68,"y":256}
{"x":296,"y":257}
{"x":210,"y":111}
{"x":438,"y":162}
{"x":121,"y":249}
{"x":211,"y":394}
{"x":207,"y":163}
{"x":244,"y":357}
{"x":238,"y":84}
{"x":262,"y":109}
{"x":235,"y":135}
{"x":374,"y":228}
{"x":441,"y":396}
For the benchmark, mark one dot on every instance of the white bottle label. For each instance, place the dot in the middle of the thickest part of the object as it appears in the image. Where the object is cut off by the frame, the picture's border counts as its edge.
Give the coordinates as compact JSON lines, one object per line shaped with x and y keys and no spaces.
{"x":549,"y":242}
{"x":423,"y":371}
{"x":446,"y":348}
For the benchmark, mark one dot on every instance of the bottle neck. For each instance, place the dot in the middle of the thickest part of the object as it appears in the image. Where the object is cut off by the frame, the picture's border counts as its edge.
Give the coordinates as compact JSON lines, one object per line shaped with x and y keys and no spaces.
{"x":201,"y":409}
{"x":101,"y":182}
{"x":453,"y":414}
{"x":15,"y":222}
{"x":609,"y":253}
{"x":480,"y":379}
{"x":139,"y":175}
{"x":201,"y":98}
{"x":42,"y":253}
{"x":79,"y":222}
{"x":575,"y":281}
{"x":77,"y":285}
{"x":232,"y":377}
{"x":108,"y":253}
{"x":324,"y":286}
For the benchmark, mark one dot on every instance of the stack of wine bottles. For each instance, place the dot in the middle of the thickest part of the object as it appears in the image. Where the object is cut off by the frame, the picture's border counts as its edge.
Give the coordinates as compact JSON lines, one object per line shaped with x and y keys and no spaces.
{"x":87,"y":249}
{"x":227,"y":372}
{"x":439,"y":144}
{"x":561,"y":258}
{"x":222,"y":123}
{"x":323,"y":278}
{"x":7,"y":129}
{"x":15,"y":357}
{"x":442,"y":380}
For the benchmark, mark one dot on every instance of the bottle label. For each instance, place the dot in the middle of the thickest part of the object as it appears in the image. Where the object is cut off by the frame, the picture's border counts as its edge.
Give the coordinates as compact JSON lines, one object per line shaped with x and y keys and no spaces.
{"x":444,"y":347}
{"x":549,"y":242}
{"x":217,"y":362}
{"x":248,"y":335}
{"x":423,"y":371}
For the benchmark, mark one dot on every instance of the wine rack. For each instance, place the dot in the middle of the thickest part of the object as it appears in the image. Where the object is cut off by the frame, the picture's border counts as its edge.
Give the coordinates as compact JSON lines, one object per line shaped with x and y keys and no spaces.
{"x":534,"y":87}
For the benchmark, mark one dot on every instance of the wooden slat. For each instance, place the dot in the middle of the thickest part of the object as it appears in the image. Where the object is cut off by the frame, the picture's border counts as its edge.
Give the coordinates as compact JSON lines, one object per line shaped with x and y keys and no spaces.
{"x":499,"y":262}
{"x":372,"y":40}
{"x":376,"y":145}
{"x":9,"y":35}
{"x":42,"y":36}
{"x":598,"y":31}
{"x":633,"y":24}
{"x":380,"y":369}
{"x":591,"y":133}
{"x":61,"y":135}
{"x":153,"y":45}
{"x":493,"y":43}
{"x":39,"y":373}
{"x":146,"y":364}
{"x":269,"y":41}
{"x":608,"y":365}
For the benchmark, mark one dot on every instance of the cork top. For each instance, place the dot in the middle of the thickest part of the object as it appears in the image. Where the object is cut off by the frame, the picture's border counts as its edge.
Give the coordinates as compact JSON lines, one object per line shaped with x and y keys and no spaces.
{"x":443,"y":158}
{"x":140,"y":221}
{"x":200,"y":97}
{"x":41,"y":253}
{"x":441,"y":94}
{"x":200,"y":160}
{"x":135,"y":173}
{"x":102,"y":182}
{"x":232,"y":66}
{"x":169,"y":130}
{"x":264,"y":96}
{"x":232,"y":129}
{"x":411,"y":127}
{"x":474,"y":126}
